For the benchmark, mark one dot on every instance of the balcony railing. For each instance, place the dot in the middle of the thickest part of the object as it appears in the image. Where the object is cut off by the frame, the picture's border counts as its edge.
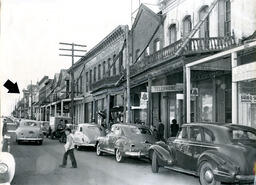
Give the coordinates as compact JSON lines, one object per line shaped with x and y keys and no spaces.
{"x":195,"y":45}
{"x":105,"y":82}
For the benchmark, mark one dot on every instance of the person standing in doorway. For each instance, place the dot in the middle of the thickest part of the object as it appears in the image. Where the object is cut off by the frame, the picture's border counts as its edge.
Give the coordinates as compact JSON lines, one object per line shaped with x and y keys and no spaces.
{"x":69,"y":150}
{"x":160,"y":132}
{"x":174,"y":128}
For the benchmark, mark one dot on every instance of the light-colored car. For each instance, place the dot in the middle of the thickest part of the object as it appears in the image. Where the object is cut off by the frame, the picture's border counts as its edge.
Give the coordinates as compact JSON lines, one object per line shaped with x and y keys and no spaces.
{"x":86,"y":134}
{"x":30,"y":131}
{"x":7,"y":162}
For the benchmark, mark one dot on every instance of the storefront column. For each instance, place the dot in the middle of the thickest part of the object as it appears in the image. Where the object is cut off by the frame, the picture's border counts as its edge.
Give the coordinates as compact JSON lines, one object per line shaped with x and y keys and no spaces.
{"x":149,"y":112}
{"x":50,"y":111}
{"x":188,"y":94}
{"x":61,"y":108}
{"x":55,"y":110}
{"x":108,"y":112}
{"x":165,"y":114}
{"x":234,"y":90}
{"x":40,"y":116}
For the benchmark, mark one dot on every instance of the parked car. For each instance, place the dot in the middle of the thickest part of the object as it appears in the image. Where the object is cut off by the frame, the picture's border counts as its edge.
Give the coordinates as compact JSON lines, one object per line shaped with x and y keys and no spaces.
{"x":7,"y":162}
{"x":215,"y":153}
{"x":86,"y":134}
{"x":30,"y":131}
{"x":45,"y":125}
{"x":126,"y":140}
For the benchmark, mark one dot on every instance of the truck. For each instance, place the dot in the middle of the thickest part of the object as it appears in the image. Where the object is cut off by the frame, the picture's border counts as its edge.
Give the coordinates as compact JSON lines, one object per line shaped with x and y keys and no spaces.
{"x":58,"y":125}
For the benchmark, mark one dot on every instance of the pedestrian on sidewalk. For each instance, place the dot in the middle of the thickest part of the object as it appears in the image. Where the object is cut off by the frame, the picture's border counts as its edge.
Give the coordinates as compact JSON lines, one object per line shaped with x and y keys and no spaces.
{"x":69,"y":150}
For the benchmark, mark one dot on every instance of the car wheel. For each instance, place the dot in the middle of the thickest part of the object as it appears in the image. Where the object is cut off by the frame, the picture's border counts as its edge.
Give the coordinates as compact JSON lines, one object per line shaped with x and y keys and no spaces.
{"x":206,"y":174}
{"x":40,"y":142}
{"x":119,"y":156}
{"x":154,"y":163}
{"x":18,"y":141}
{"x":98,"y":151}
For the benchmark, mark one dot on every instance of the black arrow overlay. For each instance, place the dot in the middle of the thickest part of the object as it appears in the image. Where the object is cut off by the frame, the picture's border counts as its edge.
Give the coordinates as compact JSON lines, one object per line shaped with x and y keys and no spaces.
{"x":12,"y":88}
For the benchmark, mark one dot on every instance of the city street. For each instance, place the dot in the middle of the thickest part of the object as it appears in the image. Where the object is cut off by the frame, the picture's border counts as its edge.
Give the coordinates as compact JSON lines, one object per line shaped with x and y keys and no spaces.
{"x":38,"y":165}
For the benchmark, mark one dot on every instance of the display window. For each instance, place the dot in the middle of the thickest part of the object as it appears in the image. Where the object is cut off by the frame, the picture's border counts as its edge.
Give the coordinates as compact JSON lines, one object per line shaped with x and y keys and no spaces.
{"x":247,"y":103}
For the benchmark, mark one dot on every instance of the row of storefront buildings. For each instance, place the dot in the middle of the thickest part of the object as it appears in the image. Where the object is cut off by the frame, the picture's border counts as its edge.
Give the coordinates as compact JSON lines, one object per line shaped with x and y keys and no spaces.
{"x":213,"y":79}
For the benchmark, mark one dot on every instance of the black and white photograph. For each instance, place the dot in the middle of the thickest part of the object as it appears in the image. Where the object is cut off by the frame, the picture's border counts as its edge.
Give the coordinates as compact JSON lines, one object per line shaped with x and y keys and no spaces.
{"x":127,"y":92}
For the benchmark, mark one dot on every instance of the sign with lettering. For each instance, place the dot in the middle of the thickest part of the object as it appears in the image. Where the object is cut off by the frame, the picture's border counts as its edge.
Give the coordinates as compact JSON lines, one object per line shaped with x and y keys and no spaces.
{"x":248,"y":98}
{"x":167,"y":88}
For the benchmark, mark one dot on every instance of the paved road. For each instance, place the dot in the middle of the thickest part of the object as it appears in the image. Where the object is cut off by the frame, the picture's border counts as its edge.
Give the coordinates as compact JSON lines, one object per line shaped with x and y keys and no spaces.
{"x":38,"y":165}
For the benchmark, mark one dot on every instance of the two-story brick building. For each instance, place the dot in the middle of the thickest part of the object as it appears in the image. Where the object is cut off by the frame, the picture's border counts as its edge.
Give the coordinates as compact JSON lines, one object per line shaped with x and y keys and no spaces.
{"x":95,"y":77}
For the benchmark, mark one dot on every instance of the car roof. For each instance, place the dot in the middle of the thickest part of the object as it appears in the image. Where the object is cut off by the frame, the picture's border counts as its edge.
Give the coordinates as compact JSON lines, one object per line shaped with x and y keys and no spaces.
{"x":129,"y":125}
{"x":220,"y":125}
{"x":88,"y":124}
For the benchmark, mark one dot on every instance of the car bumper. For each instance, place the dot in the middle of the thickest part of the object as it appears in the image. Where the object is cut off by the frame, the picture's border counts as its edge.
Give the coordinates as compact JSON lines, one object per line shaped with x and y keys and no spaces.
{"x":29,"y":139}
{"x":135,"y":154}
{"x":232,"y":178}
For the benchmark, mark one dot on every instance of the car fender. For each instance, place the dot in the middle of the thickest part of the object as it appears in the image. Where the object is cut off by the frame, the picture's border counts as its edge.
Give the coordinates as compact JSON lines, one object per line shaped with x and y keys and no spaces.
{"x":163,"y":153}
{"x":8,"y":159}
{"x":119,"y":144}
{"x":219,"y":161}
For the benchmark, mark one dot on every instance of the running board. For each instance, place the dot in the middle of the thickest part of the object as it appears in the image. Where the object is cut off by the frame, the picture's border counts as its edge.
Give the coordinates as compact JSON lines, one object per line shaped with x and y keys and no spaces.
{"x":174,"y":168}
{"x":108,"y":151}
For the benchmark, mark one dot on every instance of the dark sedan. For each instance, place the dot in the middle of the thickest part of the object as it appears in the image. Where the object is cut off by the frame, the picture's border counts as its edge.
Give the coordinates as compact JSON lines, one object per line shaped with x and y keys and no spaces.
{"x":126,"y":140}
{"x":215,"y":153}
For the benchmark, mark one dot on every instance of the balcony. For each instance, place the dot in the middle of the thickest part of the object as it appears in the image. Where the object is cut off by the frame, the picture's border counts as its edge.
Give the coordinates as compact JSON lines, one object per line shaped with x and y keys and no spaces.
{"x":105,"y":82}
{"x":194,"y":46}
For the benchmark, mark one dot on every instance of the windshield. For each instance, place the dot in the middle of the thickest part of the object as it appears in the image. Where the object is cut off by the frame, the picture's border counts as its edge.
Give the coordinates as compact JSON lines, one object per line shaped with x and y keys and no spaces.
{"x":31,"y":124}
{"x":236,"y":134}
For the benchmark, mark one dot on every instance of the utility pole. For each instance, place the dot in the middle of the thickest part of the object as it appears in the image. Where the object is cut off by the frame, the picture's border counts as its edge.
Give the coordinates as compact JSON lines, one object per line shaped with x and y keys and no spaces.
{"x":31,"y":97}
{"x":128,"y":119}
{"x":72,"y":72}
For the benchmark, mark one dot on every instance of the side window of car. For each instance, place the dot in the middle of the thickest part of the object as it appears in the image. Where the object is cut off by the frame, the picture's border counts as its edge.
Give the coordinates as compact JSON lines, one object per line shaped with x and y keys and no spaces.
{"x":195,"y":134}
{"x":208,"y":136}
{"x":118,"y":131}
{"x":183,"y":133}
{"x":81,"y":129}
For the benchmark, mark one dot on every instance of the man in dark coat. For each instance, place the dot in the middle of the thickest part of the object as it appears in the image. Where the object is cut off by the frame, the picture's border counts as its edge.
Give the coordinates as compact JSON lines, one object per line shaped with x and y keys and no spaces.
{"x":174,"y":128}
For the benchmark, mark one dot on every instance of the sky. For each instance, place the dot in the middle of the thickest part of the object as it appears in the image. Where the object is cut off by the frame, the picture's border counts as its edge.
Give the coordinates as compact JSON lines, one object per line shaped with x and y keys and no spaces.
{"x":32,"y":29}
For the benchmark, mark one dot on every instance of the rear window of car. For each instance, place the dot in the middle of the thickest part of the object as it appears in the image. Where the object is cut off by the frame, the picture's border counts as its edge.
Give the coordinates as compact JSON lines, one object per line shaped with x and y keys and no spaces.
{"x":131,"y":130}
{"x":236,"y":134}
{"x":31,"y":124}
{"x":92,"y":130}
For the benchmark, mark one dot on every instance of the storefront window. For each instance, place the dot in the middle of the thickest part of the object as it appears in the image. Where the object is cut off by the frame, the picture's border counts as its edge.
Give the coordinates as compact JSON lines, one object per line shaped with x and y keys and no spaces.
{"x":247,"y":103}
{"x":205,"y":101}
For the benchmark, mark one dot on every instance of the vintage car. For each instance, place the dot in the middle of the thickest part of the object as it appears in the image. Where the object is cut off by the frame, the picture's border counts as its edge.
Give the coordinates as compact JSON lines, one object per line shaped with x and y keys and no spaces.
{"x":126,"y":140}
{"x":216,"y":153}
{"x":86,"y":134}
{"x":30,"y":131}
{"x":7,"y":162}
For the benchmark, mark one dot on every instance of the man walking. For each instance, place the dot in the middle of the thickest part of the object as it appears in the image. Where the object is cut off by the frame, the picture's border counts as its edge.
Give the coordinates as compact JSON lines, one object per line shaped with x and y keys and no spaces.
{"x":69,"y":150}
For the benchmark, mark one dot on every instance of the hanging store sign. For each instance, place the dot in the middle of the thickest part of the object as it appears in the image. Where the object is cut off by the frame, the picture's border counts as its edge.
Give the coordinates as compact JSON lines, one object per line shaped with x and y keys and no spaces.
{"x":248,"y":98}
{"x":244,"y":72}
{"x":167,"y":88}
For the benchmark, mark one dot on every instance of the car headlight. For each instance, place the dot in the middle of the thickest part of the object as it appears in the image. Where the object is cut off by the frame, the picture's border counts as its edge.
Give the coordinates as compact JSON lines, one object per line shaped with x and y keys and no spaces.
{"x":3,"y":168}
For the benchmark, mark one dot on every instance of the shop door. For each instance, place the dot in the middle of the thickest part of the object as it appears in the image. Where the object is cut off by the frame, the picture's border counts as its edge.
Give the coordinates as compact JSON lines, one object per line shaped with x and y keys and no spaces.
{"x":179,"y":109}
